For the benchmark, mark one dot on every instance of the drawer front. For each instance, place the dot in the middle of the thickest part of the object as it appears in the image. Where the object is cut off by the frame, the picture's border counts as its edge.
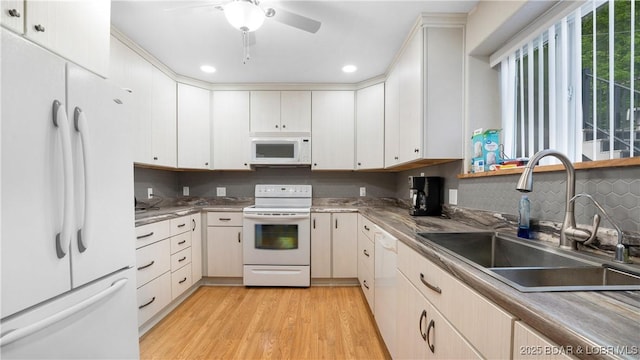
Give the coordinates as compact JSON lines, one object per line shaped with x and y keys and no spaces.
{"x":150,"y":233}
{"x":153,"y":297}
{"x":180,"y":259}
{"x":460,"y":304}
{"x":224,"y":219}
{"x":180,"y":225}
{"x":366,"y":227}
{"x":152,"y":261}
{"x":180,"y":242}
{"x":368,"y":287}
{"x":180,"y":281}
{"x":365,"y":253}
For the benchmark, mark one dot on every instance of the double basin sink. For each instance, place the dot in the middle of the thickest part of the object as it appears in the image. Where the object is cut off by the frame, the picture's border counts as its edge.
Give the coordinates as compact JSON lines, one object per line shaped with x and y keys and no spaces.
{"x":532,"y":267}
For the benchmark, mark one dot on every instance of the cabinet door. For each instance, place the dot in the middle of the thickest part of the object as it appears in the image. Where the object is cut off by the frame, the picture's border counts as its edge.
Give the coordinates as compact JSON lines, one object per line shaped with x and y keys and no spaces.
{"x":391,"y":119}
{"x":531,"y":345}
{"x":12,"y":16}
{"x":163,"y":115}
{"x":31,"y":164}
{"x":76,"y":30}
{"x":196,"y":247}
{"x":370,"y":127}
{"x":321,"y":245}
{"x":194,"y":146}
{"x":265,"y":111}
{"x":231,"y":148}
{"x":333,"y":130}
{"x":224,"y":251}
{"x":344,"y":230}
{"x":133,"y":73}
{"x":295,"y":111}
{"x":411,"y":98}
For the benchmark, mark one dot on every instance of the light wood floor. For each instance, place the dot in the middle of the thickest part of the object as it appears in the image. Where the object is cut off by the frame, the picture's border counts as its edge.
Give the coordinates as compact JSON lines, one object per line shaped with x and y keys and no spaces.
{"x":267,"y":323}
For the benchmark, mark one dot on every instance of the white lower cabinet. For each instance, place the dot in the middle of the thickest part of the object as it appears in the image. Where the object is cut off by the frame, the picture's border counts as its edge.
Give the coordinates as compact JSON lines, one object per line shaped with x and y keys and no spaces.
{"x":422,"y":332}
{"x":334,"y":245}
{"x":224,"y":244}
{"x":531,"y":345}
{"x":366,"y":251}
{"x":166,"y":253}
{"x":468,"y":312}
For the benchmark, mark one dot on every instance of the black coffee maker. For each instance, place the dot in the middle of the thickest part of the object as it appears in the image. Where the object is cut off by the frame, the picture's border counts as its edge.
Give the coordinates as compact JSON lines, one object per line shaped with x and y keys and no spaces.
{"x":426,"y":195}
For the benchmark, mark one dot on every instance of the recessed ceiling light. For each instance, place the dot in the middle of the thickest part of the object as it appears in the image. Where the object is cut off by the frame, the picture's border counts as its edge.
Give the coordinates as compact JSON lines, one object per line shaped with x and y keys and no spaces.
{"x":208,"y":69}
{"x":349,"y":68}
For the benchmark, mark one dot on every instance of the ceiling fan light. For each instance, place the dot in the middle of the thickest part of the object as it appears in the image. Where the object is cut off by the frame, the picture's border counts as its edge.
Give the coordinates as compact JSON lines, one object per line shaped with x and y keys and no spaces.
{"x":244,"y":15}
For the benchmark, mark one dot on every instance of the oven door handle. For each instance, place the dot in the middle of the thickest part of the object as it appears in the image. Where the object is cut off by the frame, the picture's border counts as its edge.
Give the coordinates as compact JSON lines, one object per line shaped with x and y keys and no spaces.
{"x":277,"y":216}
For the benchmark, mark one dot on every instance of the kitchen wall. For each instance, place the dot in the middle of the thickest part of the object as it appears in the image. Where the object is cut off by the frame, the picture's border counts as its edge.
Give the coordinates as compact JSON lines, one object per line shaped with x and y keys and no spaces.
{"x":336,"y":184}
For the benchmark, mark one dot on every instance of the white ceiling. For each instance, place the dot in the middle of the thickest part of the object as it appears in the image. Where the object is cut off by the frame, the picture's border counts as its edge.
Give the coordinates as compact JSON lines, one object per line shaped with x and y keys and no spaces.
{"x":367,"y":34}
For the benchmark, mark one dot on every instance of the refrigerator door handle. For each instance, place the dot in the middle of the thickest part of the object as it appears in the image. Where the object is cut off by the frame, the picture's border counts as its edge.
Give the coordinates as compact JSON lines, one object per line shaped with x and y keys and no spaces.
{"x":80,"y":124}
{"x":63,"y":238}
{"x":19,"y":333}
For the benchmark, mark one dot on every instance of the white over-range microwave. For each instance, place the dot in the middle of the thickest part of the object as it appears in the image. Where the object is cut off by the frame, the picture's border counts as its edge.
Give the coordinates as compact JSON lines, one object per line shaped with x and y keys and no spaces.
{"x":281,"y":151}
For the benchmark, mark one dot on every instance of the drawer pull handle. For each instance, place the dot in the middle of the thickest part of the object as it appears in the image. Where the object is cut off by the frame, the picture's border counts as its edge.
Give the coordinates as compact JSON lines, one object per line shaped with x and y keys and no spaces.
{"x":194,"y":224}
{"x":144,"y":236}
{"x":365,"y":253}
{"x":423,"y":316}
{"x":14,"y":13}
{"x":182,"y":242}
{"x":182,"y":225}
{"x":432,"y":287}
{"x":364,"y":283}
{"x":182,"y":259}
{"x":147,"y":304}
{"x":366,"y":228}
{"x":224,"y":219}
{"x":432,"y":325}
{"x":239,"y":236}
{"x":183,"y":280}
{"x":146,"y":266}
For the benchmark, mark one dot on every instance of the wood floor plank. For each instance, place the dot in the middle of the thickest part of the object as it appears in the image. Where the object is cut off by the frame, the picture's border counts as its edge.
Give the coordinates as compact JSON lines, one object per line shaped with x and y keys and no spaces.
{"x":267,"y":323}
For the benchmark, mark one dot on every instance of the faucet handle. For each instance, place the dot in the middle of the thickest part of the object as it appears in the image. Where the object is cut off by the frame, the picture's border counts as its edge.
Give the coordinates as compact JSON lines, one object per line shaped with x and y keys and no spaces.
{"x":583,"y":235}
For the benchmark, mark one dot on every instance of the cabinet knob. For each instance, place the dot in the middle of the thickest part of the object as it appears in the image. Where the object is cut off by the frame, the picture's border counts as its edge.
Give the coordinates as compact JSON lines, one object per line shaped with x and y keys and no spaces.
{"x":276,"y":126}
{"x":315,"y":164}
{"x":245,"y":164}
{"x":14,"y":13}
{"x":416,"y":150}
{"x":395,"y":158}
{"x":359,"y":164}
{"x":155,"y":158}
{"x":207,"y":163}
{"x":284,"y":126}
{"x":39,"y":28}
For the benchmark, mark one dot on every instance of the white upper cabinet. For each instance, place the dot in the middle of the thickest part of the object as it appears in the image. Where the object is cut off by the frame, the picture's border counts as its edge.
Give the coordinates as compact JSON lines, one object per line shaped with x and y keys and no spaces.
{"x":12,"y":16}
{"x":76,"y":30}
{"x":153,"y":108}
{"x":424,"y":97}
{"x":280,"y":111}
{"x":194,"y":114}
{"x":370,"y":127}
{"x":163,"y":119}
{"x":333,"y":130}
{"x":230,"y":139}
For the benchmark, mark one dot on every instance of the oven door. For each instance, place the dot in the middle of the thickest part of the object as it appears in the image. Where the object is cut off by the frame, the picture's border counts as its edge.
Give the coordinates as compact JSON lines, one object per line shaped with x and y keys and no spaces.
{"x":272,"y":238}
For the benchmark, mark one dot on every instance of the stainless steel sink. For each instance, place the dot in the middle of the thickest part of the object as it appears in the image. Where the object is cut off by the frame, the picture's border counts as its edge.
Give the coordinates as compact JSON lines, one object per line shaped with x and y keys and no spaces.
{"x":532,"y":267}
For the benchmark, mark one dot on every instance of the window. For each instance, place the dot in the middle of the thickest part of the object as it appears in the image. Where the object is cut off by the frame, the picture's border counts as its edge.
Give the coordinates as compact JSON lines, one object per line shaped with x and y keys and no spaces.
{"x":575,"y":87}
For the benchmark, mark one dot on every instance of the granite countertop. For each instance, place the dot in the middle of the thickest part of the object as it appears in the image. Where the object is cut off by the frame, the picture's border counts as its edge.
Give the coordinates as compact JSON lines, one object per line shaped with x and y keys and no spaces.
{"x":598,"y":322}
{"x":601,"y":323}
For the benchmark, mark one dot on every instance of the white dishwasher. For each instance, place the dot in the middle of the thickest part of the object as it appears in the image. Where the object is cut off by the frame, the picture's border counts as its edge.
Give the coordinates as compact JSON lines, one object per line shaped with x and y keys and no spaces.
{"x":386,"y":251}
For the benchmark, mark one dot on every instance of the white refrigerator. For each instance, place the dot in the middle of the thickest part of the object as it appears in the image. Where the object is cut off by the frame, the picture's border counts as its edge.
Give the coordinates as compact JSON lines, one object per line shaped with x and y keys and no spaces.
{"x":68,"y":285}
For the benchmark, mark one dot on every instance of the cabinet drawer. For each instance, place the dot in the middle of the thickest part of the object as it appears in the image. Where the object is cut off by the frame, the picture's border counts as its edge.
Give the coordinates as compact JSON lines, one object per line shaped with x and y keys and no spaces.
{"x":180,"y":259}
{"x":180,"y":225}
{"x":460,"y":304}
{"x":365,"y":253}
{"x":150,"y":233}
{"x":153,"y":297}
{"x":224,"y":219}
{"x":366,"y":227}
{"x":152,"y":261}
{"x":368,"y":286}
{"x":180,"y":242}
{"x":180,"y":281}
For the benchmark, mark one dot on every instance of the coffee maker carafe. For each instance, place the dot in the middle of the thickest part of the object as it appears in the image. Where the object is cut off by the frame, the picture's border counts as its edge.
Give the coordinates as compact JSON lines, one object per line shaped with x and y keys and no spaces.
{"x":426,"y":195}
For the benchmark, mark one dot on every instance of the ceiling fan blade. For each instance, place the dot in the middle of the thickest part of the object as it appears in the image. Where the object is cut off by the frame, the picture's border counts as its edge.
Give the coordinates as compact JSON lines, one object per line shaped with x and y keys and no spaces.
{"x":195,"y":6}
{"x":297,"y":21}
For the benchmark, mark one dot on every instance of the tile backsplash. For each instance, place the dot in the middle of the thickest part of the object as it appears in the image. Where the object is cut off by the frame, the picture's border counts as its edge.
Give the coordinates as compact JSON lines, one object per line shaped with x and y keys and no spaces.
{"x":616,"y":189}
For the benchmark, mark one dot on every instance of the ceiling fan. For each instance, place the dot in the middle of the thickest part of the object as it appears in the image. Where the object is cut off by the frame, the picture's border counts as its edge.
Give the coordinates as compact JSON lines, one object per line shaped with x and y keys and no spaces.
{"x":248,"y":16}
